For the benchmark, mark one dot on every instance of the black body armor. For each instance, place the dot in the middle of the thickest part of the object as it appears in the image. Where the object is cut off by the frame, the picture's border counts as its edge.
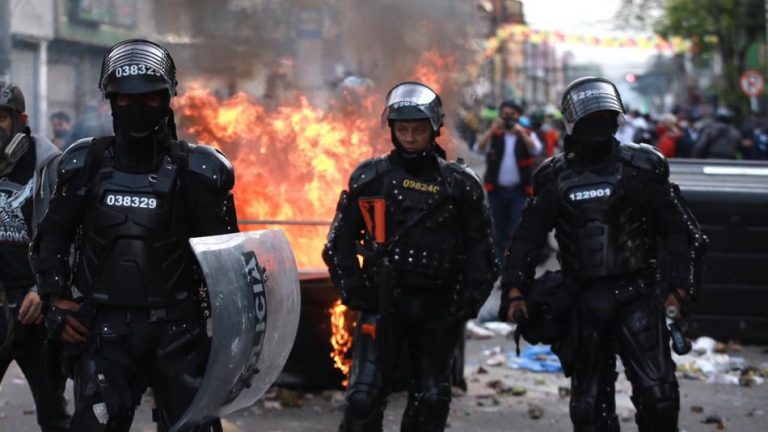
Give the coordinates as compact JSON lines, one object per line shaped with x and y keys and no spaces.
{"x":132,"y":228}
{"x":609,"y":219}
{"x":437,"y":227}
{"x":601,"y":231}
{"x":431,"y":252}
{"x":134,"y":248}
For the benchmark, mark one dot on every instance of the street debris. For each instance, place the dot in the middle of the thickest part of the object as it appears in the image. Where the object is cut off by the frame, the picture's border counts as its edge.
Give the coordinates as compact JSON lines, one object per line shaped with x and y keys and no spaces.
{"x":536,"y":358}
{"x":500,"y":328}
{"x":535,"y":411}
{"x":715,"y":419}
{"x":476,"y":331}
{"x":705,"y":363}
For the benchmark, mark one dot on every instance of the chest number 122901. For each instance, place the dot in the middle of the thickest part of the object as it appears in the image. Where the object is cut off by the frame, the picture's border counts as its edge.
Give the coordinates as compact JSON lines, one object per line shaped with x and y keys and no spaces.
{"x":590,"y":194}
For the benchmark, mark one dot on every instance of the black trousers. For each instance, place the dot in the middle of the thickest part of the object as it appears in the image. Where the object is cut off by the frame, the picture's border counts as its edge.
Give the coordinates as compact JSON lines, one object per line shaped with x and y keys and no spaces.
{"x":429,"y":335}
{"x":46,"y":381}
{"x":126,"y":355}
{"x":635,"y":329}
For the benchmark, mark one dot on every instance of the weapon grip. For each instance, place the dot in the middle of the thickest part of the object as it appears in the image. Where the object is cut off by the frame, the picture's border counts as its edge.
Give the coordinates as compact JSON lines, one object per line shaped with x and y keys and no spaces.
{"x":680,"y":344}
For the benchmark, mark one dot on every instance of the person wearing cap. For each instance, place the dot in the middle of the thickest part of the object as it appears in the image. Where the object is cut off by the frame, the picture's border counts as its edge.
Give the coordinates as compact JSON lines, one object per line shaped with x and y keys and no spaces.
{"x":510,"y":150}
{"x":27,"y":179}
{"x":130,"y":202}
{"x":423,"y":227}
{"x":619,"y":222}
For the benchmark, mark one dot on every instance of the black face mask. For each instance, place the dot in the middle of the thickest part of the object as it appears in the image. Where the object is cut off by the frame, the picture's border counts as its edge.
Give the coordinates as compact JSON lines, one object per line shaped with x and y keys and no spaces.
{"x":138,"y":119}
{"x":589,"y":150}
{"x":509,"y":122}
{"x":60,"y":133}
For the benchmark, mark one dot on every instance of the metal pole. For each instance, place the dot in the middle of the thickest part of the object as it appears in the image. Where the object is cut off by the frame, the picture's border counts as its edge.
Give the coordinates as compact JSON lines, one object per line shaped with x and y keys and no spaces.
{"x":42,"y":89}
{"x":5,"y":39}
{"x":283,"y":222}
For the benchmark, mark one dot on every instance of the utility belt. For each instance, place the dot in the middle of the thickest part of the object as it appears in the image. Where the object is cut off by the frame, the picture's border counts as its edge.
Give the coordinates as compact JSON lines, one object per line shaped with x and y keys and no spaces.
{"x":624,"y":287}
{"x":440,"y":265}
{"x":184,"y":310}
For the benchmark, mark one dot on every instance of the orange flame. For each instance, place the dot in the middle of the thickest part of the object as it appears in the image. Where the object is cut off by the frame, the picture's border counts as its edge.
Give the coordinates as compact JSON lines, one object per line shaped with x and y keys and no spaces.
{"x":341,"y":339}
{"x":433,"y":68}
{"x":290,"y":163}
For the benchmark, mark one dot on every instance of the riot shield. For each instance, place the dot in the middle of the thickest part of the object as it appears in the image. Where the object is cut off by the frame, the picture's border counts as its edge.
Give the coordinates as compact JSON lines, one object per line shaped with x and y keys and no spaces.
{"x":253,"y":286}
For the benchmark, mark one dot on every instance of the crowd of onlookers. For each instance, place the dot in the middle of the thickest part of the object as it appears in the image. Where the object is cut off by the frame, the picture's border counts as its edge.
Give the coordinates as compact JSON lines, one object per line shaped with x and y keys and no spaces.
{"x":717,"y":136}
{"x":677,"y":134}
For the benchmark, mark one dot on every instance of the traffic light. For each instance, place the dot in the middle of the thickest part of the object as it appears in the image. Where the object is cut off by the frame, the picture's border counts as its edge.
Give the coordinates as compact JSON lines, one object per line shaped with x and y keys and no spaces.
{"x":630,"y":78}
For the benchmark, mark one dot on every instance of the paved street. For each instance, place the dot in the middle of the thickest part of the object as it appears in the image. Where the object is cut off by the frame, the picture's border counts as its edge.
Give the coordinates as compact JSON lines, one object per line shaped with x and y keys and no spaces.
{"x":482,"y":409}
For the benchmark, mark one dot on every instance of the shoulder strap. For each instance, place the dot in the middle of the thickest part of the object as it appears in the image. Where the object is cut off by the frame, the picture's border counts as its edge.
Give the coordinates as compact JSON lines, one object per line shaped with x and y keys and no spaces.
{"x":95,"y":156}
{"x":180,"y":153}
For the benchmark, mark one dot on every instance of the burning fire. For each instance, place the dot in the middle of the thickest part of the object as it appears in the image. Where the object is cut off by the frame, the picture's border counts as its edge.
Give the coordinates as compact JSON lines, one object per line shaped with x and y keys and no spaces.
{"x":341,"y":339}
{"x":433,"y":69}
{"x":291,"y":162}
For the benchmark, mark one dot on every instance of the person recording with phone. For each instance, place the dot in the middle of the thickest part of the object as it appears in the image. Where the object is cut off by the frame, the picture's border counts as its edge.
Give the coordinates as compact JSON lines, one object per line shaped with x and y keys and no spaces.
{"x":510,"y":151}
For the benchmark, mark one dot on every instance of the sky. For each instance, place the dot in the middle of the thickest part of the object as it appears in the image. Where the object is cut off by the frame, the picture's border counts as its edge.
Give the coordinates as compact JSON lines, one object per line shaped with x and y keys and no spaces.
{"x":582,"y":16}
{"x":589,"y":17}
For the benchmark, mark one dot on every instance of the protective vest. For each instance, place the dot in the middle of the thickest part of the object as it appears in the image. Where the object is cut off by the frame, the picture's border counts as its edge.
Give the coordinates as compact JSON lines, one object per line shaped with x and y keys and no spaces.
{"x":430,"y":248}
{"x":133,"y":249}
{"x":601,"y":231}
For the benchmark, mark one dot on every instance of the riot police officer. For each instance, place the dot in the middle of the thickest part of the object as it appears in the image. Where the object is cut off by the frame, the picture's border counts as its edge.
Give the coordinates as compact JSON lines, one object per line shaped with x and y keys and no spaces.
{"x":610,"y":204}
{"x":27,"y":178}
{"x":424,"y":231}
{"x":130,"y":202}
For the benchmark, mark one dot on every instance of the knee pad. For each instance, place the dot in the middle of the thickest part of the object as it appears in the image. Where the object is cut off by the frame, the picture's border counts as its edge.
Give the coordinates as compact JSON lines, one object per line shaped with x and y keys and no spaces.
{"x":363,"y":401}
{"x":658,"y":408}
{"x":435,"y":398}
{"x":658,"y":411}
{"x":582,"y":411}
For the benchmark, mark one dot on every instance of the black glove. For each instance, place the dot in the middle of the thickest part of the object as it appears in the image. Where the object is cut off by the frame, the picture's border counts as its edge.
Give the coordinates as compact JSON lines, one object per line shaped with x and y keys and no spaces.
{"x":357,"y":294}
{"x":465,"y":306}
{"x":362,"y":299}
{"x":54,"y":321}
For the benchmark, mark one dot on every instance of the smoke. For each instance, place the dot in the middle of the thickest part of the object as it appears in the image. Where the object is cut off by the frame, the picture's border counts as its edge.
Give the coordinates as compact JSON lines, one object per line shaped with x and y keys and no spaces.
{"x":238,"y":41}
{"x":388,"y":36}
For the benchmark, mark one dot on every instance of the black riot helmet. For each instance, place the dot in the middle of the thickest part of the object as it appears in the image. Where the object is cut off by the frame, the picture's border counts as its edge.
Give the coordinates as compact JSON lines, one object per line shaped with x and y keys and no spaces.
{"x":137,"y":66}
{"x":412,"y":100}
{"x":588,"y":95}
{"x":13,"y":143}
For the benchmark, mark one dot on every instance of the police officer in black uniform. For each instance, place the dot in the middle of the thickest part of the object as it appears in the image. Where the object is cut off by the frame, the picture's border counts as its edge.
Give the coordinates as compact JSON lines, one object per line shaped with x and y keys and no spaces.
{"x":27,"y":178}
{"x":423,"y":227}
{"x":611,"y":204}
{"x":130,"y":202}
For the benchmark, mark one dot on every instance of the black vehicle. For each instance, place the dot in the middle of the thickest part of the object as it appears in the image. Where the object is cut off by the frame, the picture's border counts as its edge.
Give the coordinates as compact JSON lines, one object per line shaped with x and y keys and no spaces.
{"x":730,"y":201}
